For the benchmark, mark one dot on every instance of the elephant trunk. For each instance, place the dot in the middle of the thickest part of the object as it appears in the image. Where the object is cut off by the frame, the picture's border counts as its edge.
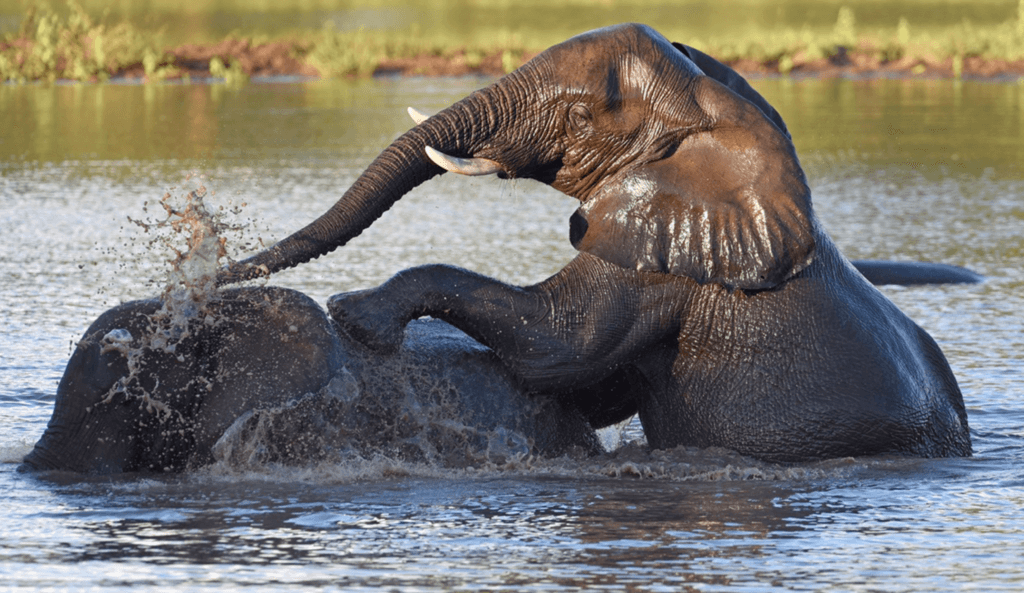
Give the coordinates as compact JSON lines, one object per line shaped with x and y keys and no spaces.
{"x":62,"y":446}
{"x":82,"y":434}
{"x":403,"y":165}
{"x":42,"y":456}
{"x":74,"y":441}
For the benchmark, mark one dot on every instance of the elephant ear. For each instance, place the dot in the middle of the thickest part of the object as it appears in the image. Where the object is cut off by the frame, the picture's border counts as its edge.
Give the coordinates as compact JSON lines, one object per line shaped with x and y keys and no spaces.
{"x":728,"y":204}
{"x":736,"y":83}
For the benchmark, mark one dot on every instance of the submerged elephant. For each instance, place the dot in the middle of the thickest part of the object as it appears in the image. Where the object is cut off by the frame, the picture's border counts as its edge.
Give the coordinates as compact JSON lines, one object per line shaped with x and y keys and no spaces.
{"x":706,"y":296}
{"x":263,"y":375}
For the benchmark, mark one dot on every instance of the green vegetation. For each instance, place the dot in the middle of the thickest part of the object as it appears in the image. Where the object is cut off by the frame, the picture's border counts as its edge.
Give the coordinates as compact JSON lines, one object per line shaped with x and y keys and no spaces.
{"x":782,"y":50}
{"x":232,"y":73}
{"x":49,"y":47}
{"x":360,"y":53}
{"x":72,"y":45}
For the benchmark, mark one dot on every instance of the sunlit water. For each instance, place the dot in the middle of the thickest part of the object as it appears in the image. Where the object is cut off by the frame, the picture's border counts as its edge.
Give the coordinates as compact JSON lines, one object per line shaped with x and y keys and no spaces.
{"x":927,"y":170}
{"x":535,"y":23}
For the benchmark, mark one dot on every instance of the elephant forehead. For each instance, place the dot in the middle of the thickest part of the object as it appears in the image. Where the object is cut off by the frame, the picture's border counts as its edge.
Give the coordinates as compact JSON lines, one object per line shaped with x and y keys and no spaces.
{"x":630,"y":52}
{"x":633,"y":75}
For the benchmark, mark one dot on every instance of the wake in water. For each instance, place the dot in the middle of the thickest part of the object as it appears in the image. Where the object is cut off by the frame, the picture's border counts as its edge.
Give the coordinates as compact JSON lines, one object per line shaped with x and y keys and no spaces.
{"x":394,"y":415}
{"x":255,"y":448}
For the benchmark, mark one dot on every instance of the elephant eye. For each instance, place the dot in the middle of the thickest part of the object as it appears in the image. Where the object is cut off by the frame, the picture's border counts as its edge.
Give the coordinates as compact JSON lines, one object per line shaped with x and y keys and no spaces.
{"x":579,"y":119}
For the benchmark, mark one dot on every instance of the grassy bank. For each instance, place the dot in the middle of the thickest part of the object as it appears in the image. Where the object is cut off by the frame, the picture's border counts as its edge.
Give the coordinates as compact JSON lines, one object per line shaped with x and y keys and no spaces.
{"x":75,"y":45}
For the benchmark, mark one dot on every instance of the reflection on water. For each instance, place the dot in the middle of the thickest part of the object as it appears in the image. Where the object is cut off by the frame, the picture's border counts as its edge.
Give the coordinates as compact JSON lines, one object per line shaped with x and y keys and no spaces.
{"x":539,"y":23}
{"x":503,"y":532}
{"x":899,"y":169}
{"x":929,"y":127}
{"x":921,"y":127}
{"x":527,"y":533}
{"x":194,"y":123}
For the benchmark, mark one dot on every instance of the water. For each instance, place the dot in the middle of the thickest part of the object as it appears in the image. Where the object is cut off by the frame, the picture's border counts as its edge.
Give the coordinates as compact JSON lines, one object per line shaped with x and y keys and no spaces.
{"x":538,"y":23}
{"x":899,"y":169}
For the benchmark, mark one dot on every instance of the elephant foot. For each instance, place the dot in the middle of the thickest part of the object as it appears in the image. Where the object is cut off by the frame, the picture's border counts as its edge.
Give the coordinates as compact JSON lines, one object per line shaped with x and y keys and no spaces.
{"x":369,"y":319}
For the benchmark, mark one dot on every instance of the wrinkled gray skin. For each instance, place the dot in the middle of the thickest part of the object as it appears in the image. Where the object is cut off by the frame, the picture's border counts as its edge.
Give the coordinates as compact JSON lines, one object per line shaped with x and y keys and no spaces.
{"x":274,"y":350}
{"x":706,"y":296}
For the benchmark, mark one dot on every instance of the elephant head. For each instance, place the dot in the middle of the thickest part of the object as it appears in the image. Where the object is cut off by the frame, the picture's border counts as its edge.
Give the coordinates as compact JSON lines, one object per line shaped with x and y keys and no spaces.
{"x":97,"y":423}
{"x":130,"y":402}
{"x":680,"y":166}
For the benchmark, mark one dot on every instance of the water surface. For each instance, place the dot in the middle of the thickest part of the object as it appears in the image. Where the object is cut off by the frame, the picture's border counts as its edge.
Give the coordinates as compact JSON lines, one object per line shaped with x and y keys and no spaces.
{"x":537,"y":23}
{"x":899,"y":169}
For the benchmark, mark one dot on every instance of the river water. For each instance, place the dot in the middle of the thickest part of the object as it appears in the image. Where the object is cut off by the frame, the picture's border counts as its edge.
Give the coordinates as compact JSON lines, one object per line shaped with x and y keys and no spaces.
{"x":923,"y":169}
{"x":535,"y":23}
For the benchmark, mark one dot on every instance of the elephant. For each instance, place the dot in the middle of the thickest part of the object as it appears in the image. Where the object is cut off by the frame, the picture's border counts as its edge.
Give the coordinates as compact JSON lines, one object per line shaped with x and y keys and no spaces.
{"x":264,"y":376}
{"x":705,"y":295}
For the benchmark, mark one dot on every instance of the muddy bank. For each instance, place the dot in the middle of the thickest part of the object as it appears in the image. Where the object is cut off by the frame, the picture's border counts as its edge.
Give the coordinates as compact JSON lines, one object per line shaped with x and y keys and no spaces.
{"x":285,"y":58}
{"x":237,"y":60}
{"x":76,"y":47}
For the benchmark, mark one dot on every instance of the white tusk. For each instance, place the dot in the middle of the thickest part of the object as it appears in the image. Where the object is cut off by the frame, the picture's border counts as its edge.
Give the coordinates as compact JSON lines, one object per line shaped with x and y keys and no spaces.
{"x":417,"y":116}
{"x":474,"y":166}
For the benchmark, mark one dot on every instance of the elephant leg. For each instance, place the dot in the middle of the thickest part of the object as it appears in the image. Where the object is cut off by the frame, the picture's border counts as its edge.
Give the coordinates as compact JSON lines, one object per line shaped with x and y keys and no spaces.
{"x":570,"y":331}
{"x":611,"y":400}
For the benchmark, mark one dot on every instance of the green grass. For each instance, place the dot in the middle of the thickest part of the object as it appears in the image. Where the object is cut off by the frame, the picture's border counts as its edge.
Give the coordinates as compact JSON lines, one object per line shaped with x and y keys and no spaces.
{"x":50,"y":47}
{"x":791,"y":46}
{"x":73,"y":44}
{"x":359,"y":53}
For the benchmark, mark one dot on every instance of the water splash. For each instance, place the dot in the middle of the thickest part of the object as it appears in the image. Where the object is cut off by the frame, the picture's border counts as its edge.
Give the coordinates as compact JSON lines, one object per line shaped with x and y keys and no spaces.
{"x":352,"y":432}
{"x":393,"y":417}
{"x":189,"y":289}
{"x":191,"y":281}
{"x":193,"y":274}
{"x":264,"y":445}
{"x":198,"y":238}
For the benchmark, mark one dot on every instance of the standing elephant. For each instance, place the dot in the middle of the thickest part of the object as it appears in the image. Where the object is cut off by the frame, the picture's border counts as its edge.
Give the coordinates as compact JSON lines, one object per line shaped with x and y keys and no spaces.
{"x":705,"y":295}
{"x":263,"y":375}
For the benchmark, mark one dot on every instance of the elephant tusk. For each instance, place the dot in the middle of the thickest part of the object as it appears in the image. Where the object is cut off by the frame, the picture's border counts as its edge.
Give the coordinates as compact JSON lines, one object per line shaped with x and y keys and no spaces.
{"x":473,"y":166}
{"x":417,"y":116}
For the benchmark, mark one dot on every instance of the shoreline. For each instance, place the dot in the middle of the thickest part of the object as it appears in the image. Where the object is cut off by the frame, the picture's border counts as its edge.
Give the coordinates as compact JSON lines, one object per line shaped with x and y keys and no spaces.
{"x":277,"y":59}
{"x":237,"y":60}
{"x":50,"y":48}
